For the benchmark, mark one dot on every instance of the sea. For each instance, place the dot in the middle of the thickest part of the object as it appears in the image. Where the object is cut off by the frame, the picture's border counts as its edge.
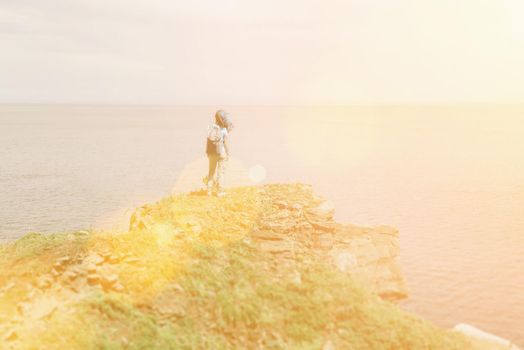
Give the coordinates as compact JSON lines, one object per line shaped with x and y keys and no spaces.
{"x":450,"y":178}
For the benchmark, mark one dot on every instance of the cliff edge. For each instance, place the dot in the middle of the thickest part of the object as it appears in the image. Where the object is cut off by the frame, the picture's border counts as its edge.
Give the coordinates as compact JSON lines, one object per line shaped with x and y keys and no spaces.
{"x":264,"y":267}
{"x":289,"y":221}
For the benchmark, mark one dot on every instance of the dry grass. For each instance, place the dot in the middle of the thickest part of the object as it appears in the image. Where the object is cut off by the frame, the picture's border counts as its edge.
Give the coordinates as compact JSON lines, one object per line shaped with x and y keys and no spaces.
{"x":193,"y":280}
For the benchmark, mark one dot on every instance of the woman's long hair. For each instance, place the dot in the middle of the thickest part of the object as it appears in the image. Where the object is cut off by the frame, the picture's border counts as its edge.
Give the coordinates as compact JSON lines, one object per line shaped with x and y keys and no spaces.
{"x":219,"y":118}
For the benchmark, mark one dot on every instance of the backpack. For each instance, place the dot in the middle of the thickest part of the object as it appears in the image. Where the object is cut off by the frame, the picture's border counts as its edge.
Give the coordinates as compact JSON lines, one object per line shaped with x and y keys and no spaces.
{"x":215,"y":142}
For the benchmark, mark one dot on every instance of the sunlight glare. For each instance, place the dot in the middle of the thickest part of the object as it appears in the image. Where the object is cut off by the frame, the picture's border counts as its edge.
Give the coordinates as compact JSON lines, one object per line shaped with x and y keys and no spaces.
{"x":257,"y":173}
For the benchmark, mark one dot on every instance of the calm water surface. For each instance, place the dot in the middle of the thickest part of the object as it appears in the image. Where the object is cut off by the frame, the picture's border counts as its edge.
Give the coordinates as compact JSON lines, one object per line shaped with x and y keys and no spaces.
{"x":450,"y":178}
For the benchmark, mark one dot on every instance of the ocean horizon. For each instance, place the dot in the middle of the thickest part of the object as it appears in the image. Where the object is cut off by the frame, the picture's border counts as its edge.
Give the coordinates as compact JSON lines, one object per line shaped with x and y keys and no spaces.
{"x":450,"y":178}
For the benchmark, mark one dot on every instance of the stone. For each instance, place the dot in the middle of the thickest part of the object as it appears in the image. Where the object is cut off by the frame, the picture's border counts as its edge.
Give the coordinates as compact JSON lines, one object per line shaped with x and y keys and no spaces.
{"x":276,"y":246}
{"x":281,"y":204}
{"x":386,"y":245}
{"x":346,"y":233}
{"x":390,"y":291}
{"x":132,"y":260}
{"x":118,"y":287}
{"x":91,"y":268}
{"x":328,"y":345}
{"x":296,"y":207}
{"x":58,"y":266}
{"x":71,"y":274}
{"x":324,"y":241}
{"x":296,"y":278}
{"x":177,"y":287}
{"x":111,"y":279}
{"x":113,"y":259}
{"x":7,"y":287}
{"x":94,"y":258}
{"x":277,"y":226}
{"x":267,"y":235}
{"x":322,"y":225}
{"x":63,"y":259}
{"x":105,"y":253}
{"x":93,"y":279}
{"x":281,"y":215}
{"x":291,"y":220}
{"x":363,"y":248}
{"x":140,"y":219}
{"x":489,"y":339}
{"x":44,"y":281}
{"x":344,"y":260}
{"x":11,"y":335}
{"x":42,"y":308}
{"x":170,"y":309}
{"x":108,"y":281}
{"x":196,"y":228}
{"x":78,"y":284}
{"x":326,"y":210}
{"x":303,"y":226}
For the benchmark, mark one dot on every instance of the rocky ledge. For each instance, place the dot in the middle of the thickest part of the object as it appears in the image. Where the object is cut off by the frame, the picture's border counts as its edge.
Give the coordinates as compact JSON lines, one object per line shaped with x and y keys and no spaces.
{"x":261,"y":268}
{"x":290,"y":222}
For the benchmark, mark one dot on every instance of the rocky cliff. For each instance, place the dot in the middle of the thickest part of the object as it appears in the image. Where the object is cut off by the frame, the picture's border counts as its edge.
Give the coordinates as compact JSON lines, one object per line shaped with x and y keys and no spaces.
{"x":289,"y":221}
{"x":264,"y":267}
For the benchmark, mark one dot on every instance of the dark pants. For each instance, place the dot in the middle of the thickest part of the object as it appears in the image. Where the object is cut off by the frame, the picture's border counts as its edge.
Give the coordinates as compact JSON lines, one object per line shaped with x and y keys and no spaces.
{"x":213,"y":163}
{"x":216,"y":172}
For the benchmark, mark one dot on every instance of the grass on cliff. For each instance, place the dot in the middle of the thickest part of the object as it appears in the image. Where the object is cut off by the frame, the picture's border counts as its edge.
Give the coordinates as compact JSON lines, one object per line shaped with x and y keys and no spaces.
{"x":190,"y":284}
{"x":232,"y":297}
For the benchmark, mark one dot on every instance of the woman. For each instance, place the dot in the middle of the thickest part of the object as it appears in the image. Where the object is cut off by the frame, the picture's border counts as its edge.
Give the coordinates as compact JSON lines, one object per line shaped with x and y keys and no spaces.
{"x":217,"y":150}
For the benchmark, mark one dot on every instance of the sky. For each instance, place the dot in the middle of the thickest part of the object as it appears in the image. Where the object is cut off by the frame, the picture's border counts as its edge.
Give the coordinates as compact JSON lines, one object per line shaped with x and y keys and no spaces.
{"x":271,"y":52}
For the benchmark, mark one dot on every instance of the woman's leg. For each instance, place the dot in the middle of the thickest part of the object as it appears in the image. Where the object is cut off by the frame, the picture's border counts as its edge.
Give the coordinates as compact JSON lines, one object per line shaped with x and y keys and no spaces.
{"x":221,"y":174}
{"x":213,"y":162}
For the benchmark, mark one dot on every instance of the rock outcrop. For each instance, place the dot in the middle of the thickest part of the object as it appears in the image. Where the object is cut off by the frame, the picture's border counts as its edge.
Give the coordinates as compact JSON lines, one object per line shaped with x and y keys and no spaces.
{"x":263,"y":267}
{"x":291,"y":221}
{"x":490,"y":340}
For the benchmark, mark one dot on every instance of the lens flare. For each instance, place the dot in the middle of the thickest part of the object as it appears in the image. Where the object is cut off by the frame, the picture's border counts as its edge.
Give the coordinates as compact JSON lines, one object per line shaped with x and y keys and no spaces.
{"x":257,"y":173}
